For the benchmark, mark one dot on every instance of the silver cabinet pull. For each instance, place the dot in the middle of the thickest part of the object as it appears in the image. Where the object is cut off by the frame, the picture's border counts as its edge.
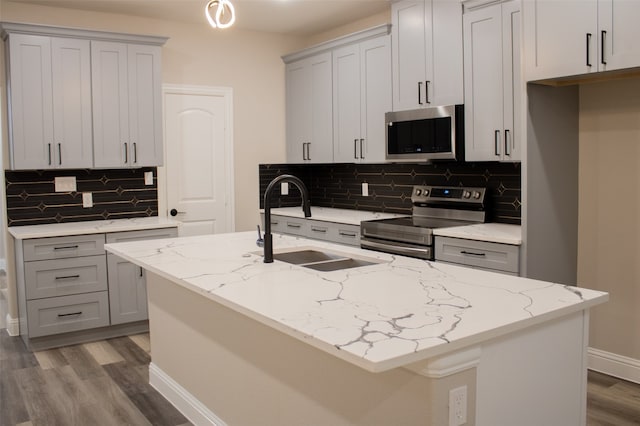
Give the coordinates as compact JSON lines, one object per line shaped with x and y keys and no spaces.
{"x":126,"y":154}
{"x":293,"y":225}
{"x":59,"y":154}
{"x":355,"y":149}
{"x":507,"y":145}
{"x":361,"y":151}
{"x":347,"y":234}
{"x":470,"y":253}
{"x":321,"y":230}
{"x":497,"y":142}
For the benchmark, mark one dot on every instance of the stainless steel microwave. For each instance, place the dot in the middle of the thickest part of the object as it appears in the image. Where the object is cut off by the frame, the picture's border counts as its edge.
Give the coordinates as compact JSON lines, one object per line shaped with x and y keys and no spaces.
{"x":425,"y":134}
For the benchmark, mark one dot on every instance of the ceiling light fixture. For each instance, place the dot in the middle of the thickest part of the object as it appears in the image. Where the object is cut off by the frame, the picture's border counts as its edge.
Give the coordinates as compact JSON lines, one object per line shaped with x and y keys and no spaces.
{"x":225,"y":14}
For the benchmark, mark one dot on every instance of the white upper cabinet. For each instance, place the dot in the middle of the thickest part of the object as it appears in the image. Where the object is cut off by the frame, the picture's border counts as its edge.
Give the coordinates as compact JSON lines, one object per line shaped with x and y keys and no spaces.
{"x":127,"y":105}
{"x":309,"y":110}
{"x":427,"y":53}
{"x":493,"y":82}
{"x":50,"y":102}
{"x":361,"y":97}
{"x":568,"y":38}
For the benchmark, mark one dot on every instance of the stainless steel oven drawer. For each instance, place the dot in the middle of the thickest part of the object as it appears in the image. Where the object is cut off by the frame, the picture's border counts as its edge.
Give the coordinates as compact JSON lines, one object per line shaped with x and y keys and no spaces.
{"x":68,"y":313}
{"x":62,"y":277}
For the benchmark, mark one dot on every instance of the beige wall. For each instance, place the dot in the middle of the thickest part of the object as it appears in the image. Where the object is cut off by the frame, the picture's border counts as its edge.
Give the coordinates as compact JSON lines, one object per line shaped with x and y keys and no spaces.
{"x":609,"y":211}
{"x":362,"y":24}
{"x":248,"y":62}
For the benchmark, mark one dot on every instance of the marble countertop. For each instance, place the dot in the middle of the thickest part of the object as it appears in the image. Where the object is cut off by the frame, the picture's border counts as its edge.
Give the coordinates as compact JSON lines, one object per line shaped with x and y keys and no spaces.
{"x":328,"y":214}
{"x":90,"y":227}
{"x":491,"y":232}
{"x":382,"y":316}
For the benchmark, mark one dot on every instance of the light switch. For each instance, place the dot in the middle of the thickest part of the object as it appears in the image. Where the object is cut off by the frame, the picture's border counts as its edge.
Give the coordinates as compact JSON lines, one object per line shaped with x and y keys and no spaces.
{"x":87,"y":199}
{"x":284,"y":188}
{"x":365,"y":189}
{"x":148,"y":178}
{"x":65,"y":183}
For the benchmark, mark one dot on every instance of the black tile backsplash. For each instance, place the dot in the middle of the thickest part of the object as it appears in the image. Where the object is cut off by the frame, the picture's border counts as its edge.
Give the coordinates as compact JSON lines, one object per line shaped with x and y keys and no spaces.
{"x":390,"y":185}
{"x":117,"y":194}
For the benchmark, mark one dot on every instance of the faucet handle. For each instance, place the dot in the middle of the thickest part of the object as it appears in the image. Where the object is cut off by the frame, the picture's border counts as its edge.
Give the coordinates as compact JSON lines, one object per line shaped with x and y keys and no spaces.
{"x":260,"y":240}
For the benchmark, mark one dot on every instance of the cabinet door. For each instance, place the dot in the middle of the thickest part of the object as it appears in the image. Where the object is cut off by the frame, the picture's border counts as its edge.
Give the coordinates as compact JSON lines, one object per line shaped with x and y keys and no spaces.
{"x":375,"y":97}
{"x":447,"y":85}
{"x":110,"y":104}
{"x":127,"y":291}
{"x":31,"y":104}
{"x":561,"y":38}
{"x":483,"y":84}
{"x":512,"y":80}
{"x":346,"y":104}
{"x":298,"y":110}
{"x":618,"y":24}
{"x":321,"y":148}
{"x":145,"y":106}
{"x":71,"y":76}
{"x":410,"y":45}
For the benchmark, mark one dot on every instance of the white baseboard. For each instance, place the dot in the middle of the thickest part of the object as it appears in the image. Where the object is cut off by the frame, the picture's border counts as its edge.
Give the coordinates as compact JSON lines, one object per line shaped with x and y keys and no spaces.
{"x":614,"y":365}
{"x":13,"y":326}
{"x":187,"y":404}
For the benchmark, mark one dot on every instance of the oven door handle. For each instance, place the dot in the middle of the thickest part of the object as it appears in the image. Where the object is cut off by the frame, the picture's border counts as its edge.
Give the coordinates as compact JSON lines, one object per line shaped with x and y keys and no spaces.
{"x":409,"y":251}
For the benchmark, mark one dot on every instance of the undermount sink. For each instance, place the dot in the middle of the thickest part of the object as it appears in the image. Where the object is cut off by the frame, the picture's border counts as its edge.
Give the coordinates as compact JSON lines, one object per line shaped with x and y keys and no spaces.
{"x":324,"y":261}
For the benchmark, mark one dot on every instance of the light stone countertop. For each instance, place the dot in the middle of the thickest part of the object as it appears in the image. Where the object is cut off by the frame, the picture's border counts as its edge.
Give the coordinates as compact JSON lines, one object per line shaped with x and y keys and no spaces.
{"x":378,"y":317}
{"x":491,"y":232}
{"x":90,"y":227}
{"x":328,"y":214}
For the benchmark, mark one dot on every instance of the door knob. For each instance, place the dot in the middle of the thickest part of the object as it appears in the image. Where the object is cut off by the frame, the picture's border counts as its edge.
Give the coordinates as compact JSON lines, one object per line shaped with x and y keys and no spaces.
{"x":174,"y":212}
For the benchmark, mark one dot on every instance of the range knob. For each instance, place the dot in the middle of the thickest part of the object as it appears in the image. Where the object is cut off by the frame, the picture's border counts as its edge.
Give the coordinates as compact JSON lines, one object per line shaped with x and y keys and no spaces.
{"x":476,"y":195}
{"x":466,"y":194}
{"x":418,"y":191}
{"x":426,"y":192}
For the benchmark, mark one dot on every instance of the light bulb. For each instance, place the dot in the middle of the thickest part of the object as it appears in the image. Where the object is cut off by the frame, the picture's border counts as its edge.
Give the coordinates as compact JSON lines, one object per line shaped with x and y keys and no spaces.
{"x":216,"y":20}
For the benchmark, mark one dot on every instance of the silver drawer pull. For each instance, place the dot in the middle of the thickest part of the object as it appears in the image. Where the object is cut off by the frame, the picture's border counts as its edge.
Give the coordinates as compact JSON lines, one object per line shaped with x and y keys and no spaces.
{"x":66,"y":247}
{"x":70,"y":314}
{"x":293,"y":225}
{"x":274,"y":223}
{"x":470,"y":253}
{"x":68,"y":277}
{"x":319,"y":230}
{"x":347,"y":234}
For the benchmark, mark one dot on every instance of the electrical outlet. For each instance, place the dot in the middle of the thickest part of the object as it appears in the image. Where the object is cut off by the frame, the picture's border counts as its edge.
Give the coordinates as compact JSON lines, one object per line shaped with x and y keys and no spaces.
{"x":365,"y":189}
{"x":65,"y":183}
{"x":148,"y":178}
{"x":87,"y":199}
{"x":458,"y":406}
{"x":284,"y":188}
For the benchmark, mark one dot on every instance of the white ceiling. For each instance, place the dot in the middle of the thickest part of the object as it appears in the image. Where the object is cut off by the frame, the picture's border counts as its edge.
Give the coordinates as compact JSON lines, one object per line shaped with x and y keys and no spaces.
{"x":294,"y":17}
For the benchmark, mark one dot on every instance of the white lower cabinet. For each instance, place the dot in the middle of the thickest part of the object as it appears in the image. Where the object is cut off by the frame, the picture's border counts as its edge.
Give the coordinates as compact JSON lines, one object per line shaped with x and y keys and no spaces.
{"x":69,"y":284}
{"x":495,"y":257}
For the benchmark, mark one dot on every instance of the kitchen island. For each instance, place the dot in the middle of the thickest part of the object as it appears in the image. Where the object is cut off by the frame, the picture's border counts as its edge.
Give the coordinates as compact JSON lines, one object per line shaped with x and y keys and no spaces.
{"x":237,"y":341}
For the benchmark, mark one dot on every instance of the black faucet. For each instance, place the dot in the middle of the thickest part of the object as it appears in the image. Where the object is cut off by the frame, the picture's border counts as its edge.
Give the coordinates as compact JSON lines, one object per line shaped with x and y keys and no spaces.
{"x":306,"y":208}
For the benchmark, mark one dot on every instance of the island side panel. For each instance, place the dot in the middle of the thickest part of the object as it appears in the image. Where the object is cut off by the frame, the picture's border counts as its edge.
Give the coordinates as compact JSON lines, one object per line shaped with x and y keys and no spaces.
{"x":247,"y":373}
{"x":536,"y":377}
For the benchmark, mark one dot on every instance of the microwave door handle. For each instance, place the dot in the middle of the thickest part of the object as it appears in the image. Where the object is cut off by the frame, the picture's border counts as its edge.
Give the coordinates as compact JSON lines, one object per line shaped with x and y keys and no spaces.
{"x":497,"y":142}
{"x":419,"y":93}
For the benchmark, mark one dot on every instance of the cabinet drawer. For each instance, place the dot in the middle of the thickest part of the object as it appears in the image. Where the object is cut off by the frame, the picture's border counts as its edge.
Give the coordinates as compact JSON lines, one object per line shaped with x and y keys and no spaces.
{"x":63,"y":247}
{"x":147,"y":234}
{"x":346,"y":234}
{"x":67,"y":313}
{"x":288,"y":225}
{"x":494,"y":256}
{"x":49,"y":278}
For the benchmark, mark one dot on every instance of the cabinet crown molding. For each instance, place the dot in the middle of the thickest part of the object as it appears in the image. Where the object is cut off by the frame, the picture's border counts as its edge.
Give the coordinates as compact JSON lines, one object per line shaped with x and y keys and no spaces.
{"x":356,"y":37}
{"x":46,"y":30}
{"x":469,"y":5}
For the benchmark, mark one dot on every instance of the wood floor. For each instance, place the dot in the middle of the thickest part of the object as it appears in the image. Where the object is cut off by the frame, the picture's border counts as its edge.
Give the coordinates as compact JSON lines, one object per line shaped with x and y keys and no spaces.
{"x":101,"y":383}
{"x":107,"y":383}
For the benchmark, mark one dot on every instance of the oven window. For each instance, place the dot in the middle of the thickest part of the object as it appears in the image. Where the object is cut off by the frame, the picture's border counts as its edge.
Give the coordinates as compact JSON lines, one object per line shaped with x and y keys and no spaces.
{"x":430,"y":135}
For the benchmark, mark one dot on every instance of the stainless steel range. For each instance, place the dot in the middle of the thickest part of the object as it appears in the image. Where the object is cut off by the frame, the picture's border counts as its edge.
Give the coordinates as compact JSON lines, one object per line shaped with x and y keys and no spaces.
{"x":433,"y":207}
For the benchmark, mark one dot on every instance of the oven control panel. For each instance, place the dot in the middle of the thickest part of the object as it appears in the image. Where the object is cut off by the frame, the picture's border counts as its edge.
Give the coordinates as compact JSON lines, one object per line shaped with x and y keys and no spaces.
{"x":430,"y":194}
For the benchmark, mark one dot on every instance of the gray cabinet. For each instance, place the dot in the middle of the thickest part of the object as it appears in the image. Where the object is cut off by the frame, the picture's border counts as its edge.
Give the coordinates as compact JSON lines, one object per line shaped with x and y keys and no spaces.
{"x":49,"y":101}
{"x":127,"y":282}
{"x":70,"y":290}
{"x":340,"y":233}
{"x":485,"y":255}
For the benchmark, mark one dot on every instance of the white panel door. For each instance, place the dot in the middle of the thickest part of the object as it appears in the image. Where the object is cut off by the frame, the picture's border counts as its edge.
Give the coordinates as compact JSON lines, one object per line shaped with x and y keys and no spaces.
{"x":71,"y":74}
{"x":618,"y":22}
{"x":198,"y":175}
{"x":346,"y":104}
{"x":31,"y":101}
